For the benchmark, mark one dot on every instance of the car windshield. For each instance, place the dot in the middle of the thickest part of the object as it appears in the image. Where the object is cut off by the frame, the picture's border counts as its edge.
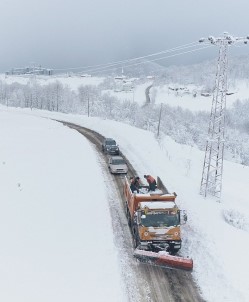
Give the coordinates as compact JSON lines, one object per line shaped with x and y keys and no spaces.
{"x":110,"y":143}
{"x":118,"y":162}
{"x":159,"y":219}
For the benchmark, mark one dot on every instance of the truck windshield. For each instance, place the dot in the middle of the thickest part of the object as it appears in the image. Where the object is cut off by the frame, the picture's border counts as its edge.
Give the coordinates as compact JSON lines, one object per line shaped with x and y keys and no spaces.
{"x":159,"y":220}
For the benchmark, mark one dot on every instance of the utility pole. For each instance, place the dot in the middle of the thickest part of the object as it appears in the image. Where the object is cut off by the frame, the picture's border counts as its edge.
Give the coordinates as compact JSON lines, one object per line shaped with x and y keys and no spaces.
{"x":159,"y":122}
{"x":211,"y":182}
{"x":88,"y":105}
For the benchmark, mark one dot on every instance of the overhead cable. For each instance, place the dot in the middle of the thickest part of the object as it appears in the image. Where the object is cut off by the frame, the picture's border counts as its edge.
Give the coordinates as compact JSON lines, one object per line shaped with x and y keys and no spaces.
{"x":110,"y":64}
{"x":157,"y":59}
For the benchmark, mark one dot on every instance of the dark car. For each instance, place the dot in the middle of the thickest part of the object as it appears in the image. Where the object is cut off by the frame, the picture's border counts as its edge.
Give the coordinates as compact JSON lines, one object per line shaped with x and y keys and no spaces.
{"x":110,"y":146}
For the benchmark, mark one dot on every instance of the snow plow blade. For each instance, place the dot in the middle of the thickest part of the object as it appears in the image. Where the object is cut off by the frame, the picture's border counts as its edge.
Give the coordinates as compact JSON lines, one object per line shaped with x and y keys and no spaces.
{"x":164,"y":260}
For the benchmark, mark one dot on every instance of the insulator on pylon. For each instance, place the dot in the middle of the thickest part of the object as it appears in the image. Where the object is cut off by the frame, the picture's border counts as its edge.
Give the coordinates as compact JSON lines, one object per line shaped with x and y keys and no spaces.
{"x":211,"y":38}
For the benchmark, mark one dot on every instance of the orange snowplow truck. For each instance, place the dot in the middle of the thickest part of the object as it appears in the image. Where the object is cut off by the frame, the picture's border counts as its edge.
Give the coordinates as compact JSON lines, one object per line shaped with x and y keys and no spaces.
{"x":155,"y":222}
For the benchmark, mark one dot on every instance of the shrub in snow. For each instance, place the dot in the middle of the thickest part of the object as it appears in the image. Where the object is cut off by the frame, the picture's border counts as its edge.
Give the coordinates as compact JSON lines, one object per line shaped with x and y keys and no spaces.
{"x":236,"y":219}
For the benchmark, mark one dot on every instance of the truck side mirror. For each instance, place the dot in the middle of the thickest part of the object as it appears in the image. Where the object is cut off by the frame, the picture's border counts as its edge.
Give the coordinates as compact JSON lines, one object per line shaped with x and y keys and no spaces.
{"x":139,"y":217}
{"x":184,"y":216}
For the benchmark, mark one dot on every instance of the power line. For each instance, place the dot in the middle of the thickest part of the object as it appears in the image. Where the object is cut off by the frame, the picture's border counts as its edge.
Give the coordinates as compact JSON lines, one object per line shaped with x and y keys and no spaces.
{"x":101,"y":69}
{"x":94,"y":71}
{"x":110,"y":64}
{"x":158,"y":59}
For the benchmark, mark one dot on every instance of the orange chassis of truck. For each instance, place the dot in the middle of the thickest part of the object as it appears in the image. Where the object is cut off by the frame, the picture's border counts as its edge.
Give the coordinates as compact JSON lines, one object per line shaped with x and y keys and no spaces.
{"x":155,"y":221}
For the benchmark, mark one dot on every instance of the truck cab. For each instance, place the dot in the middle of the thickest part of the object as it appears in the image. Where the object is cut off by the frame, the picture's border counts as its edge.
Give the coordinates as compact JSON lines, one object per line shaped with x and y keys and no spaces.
{"x":154,"y":219}
{"x":156,"y":226}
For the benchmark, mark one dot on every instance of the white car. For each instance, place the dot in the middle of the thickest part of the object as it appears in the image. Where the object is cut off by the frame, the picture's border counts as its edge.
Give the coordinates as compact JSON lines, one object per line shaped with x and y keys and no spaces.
{"x":117,"y":165}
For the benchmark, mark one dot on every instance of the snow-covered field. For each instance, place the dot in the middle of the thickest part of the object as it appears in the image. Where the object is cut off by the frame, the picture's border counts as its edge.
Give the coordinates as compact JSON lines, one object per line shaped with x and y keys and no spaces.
{"x":185,"y":99}
{"x":136,"y":95}
{"x":44,"y":173}
{"x":74,"y":82}
{"x":164,"y":94}
{"x":55,"y":226}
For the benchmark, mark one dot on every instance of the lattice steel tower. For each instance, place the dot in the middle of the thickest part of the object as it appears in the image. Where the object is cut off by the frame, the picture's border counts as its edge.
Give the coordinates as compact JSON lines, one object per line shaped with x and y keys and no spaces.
{"x":211,"y":182}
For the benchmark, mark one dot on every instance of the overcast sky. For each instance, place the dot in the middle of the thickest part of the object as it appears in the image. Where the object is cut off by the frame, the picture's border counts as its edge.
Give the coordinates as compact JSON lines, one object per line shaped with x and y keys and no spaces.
{"x":74,"y":33}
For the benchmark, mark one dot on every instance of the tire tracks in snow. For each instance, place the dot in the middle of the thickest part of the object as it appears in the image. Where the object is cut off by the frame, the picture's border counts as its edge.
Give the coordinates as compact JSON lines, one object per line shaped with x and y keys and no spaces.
{"x":143,"y":282}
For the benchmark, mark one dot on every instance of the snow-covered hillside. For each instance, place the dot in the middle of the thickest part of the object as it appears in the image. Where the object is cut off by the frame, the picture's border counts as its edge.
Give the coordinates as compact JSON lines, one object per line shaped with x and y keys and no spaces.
{"x":71,"y":81}
{"x":192,"y":97}
{"x":216,"y":235}
{"x":57,"y":242}
{"x":195,"y":98}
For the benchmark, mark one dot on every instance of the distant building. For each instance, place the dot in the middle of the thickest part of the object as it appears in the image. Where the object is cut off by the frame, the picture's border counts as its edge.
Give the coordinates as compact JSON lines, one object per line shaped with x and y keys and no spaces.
{"x":205,"y":94}
{"x":127,"y":86}
{"x":123,"y":84}
{"x":30,"y":70}
{"x":85,"y":75}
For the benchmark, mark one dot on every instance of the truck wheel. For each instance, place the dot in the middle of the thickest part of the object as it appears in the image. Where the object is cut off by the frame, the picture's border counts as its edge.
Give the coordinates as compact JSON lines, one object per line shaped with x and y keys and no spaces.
{"x":135,"y":240}
{"x":128,"y":215}
{"x":173,"y":251}
{"x":129,"y":219}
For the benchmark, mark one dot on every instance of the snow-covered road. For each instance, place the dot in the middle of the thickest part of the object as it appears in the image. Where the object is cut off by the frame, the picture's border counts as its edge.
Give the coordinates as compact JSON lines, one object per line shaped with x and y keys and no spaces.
{"x":220,"y":275}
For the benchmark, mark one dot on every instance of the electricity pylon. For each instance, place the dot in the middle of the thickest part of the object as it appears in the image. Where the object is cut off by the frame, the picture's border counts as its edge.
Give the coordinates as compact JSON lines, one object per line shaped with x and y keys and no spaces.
{"x":211,"y":182}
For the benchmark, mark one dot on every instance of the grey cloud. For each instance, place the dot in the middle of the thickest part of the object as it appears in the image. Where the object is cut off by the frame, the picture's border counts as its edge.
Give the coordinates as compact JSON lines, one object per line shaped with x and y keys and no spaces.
{"x":63,"y":34}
